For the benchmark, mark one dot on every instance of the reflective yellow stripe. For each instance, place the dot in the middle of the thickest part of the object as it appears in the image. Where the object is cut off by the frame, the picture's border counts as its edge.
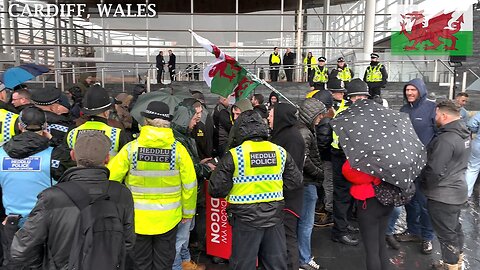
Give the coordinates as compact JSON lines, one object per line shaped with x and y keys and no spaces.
{"x":374,"y":74}
{"x":157,"y":207}
{"x":345,"y":75}
{"x":149,"y":190}
{"x":342,"y":108}
{"x":153,"y":173}
{"x":320,"y":75}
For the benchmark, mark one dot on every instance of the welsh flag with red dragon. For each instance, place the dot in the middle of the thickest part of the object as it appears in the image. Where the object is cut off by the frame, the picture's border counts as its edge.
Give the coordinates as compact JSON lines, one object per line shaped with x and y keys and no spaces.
{"x":225,"y":75}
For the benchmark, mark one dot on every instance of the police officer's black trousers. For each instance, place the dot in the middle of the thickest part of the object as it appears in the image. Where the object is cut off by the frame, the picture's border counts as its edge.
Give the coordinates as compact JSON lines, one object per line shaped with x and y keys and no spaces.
{"x":155,"y":252}
{"x":374,"y":91}
{"x":274,"y":70}
{"x":266,"y":243}
{"x":342,"y":200}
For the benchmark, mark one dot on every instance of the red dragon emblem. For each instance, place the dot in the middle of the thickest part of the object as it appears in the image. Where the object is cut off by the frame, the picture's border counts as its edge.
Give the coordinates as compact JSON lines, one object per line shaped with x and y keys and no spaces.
{"x":437,"y":27}
{"x":221,"y":69}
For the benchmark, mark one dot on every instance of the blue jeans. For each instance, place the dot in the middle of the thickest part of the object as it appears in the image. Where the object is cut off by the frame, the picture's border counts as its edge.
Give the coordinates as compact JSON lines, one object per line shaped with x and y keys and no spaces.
{"x":418,"y":219}
{"x":393,"y":220}
{"x":305,"y":223}
{"x":473,"y":166}
{"x":181,"y":244}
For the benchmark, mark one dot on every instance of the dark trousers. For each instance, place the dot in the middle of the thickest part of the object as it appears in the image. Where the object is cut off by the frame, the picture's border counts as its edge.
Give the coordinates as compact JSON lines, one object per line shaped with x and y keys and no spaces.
{"x":159,"y":75}
{"x":266,"y":243}
{"x":290,"y":223}
{"x":374,"y":91}
{"x":171,"y":71}
{"x":373,"y":218}
{"x":155,"y":252}
{"x":274,"y":72}
{"x":289,"y":73}
{"x":447,"y":226}
{"x":342,"y":200}
{"x":418,"y":218}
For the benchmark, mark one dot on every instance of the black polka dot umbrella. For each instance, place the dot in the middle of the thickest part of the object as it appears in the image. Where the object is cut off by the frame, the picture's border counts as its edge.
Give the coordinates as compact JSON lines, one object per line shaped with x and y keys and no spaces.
{"x":380,"y":142}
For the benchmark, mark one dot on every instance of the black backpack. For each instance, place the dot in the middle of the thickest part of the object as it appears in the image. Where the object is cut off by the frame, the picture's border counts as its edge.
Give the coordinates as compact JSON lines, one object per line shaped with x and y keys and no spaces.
{"x":99,"y":241}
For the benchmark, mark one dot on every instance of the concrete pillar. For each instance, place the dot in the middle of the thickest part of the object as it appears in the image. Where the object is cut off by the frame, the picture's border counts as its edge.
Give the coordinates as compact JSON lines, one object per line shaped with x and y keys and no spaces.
{"x":6,"y":23}
{"x":369,"y":28}
{"x":326,"y":26}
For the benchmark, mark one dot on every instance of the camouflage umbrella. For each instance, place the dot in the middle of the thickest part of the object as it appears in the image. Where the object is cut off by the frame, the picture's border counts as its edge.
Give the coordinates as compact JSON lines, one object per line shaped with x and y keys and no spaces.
{"x":380,"y":142}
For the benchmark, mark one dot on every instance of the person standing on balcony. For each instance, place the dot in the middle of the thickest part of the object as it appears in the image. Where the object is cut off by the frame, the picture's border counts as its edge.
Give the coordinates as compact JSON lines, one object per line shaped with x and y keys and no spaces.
{"x":160,"y":65}
{"x":309,"y":63}
{"x":274,"y":63}
{"x":171,"y":65}
{"x":375,"y":76}
{"x":288,"y":64}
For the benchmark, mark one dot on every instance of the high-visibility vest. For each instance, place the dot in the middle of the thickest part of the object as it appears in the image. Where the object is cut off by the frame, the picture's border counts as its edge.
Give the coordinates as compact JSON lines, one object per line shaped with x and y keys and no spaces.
{"x":374,"y":74}
{"x":313,"y":62}
{"x":258,"y":173}
{"x":275,"y":58}
{"x":161,"y":176}
{"x":343,"y":107}
{"x":112,"y":133}
{"x":345,"y":75}
{"x":7,"y":125}
{"x":23,"y":179}
{"x":320,"y":76}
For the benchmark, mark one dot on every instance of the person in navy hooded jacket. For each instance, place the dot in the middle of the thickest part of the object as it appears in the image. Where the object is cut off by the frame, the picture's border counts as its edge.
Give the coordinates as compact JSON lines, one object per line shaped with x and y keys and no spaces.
{"x":422,"y":116}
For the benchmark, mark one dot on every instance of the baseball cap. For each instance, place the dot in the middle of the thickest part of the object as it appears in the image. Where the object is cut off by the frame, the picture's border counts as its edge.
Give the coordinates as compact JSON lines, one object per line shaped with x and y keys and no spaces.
{"x":91,"y":148}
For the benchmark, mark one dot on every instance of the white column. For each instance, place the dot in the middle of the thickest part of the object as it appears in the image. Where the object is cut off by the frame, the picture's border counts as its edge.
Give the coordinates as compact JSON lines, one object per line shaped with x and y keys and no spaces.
{"x":326,"y":26}
{"x":299,"y":40}
{"x":6,"y":24}
{"x":369,"y":28}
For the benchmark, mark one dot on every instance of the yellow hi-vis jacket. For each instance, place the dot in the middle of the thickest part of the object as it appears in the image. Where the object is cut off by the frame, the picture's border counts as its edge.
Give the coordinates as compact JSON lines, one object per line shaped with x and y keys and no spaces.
{"x":345,"y":75}
{"x":320,"y":76}
{"x":275,"y":58}
{"x":258,"y":173}
{"x":7,"y":125}
{"x":112,"y":133}
{"x":343,"y":106}
{"x":161,"y":176}
{"x":374,"y":74}
{"x":313,"y":63}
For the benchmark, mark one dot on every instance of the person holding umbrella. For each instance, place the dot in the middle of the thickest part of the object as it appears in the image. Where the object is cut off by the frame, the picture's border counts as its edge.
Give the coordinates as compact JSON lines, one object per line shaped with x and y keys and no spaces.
{"x":444,"y":185}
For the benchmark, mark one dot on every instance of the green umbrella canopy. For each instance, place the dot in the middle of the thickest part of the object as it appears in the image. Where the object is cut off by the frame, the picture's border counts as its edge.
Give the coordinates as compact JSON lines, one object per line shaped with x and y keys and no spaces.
{"x":164,"y":95}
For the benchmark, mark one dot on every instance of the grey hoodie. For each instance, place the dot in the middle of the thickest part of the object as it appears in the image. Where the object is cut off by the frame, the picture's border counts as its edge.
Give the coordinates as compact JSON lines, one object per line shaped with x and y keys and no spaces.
{"x":444,"y":176}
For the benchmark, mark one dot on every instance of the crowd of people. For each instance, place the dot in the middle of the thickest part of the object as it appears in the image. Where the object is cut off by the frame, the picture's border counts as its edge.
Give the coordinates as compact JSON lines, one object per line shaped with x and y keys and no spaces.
{"x":279,"y":166}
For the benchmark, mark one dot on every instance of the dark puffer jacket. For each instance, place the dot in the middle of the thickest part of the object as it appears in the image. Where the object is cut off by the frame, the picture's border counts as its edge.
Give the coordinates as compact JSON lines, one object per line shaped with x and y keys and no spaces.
{"x":52,"y":221}
{"x":250,"y":126}
{"x":312,"y":169}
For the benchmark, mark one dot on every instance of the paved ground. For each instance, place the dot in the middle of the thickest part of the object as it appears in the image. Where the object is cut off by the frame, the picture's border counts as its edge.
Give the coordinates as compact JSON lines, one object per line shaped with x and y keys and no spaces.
{"x":336,"y":256}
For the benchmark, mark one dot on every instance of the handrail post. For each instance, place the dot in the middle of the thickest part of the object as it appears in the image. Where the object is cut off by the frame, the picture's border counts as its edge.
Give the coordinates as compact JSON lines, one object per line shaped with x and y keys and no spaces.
{"x":103,"y":77}
{"x":123,"y":81}
{"x":435,"y":71}
{"x":464,"y":81}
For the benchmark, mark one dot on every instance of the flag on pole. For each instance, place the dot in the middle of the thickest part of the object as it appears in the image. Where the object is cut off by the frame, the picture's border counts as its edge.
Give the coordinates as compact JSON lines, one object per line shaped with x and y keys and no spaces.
{"x":225,"y":75}
{"x":434,"y":27}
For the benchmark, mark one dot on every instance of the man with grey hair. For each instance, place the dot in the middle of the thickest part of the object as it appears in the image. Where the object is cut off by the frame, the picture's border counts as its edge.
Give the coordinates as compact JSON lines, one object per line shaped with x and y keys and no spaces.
{"x":53,"y":221}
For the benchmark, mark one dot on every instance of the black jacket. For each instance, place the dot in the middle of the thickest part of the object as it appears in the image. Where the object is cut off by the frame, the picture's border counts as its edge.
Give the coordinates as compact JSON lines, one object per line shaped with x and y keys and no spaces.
{"x":160,"y":62}
{"x":52,"y":221}
{"x":289,"y":59}
{"x":447,"y":158}
{"x":8,"y":106}
{"x":286,"y":135}
{"x":172,"y":60}
{"x":59,"y":126}
{"x":313,"y":167}
{"x":262,"y":110}
{"x":324,"y":139}
{"x":225,"y":124}
{"x":266,"y":214}
{"x":29,"y":143}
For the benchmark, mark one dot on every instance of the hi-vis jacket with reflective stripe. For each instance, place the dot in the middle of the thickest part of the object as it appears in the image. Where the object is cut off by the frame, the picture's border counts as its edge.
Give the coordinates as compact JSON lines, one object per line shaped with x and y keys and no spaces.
{"x":7,"y":125}
{"x":343,"y":107}
{"x":112,"y":133}
{"x":374,"y":74}
{"x":320,"y":76}
{"x":161,"y":176}
{"x":258,"y":173}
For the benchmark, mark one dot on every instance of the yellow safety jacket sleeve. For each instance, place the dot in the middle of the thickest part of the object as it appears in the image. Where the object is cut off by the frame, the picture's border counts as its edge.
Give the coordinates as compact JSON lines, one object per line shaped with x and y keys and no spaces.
{"x":189,"y":182}
{"x":119,"y":165}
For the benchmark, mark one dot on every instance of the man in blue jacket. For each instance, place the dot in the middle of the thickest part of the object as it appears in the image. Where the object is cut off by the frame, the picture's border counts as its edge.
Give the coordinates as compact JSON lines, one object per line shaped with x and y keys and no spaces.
{"x":422,"y":116}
